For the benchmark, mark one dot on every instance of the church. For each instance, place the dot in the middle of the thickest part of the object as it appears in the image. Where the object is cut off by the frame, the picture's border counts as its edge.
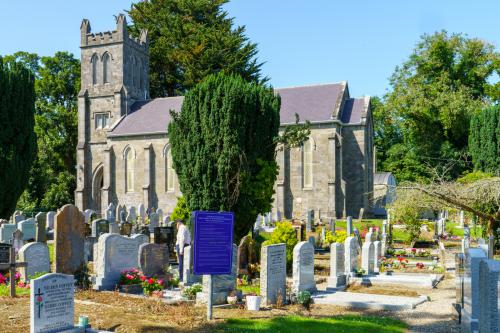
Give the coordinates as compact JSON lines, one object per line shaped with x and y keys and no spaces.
{"x":123,"y":152}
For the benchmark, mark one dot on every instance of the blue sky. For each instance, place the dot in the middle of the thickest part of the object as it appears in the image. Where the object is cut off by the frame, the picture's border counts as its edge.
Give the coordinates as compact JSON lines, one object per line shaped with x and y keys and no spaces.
{"x":301,"y":42}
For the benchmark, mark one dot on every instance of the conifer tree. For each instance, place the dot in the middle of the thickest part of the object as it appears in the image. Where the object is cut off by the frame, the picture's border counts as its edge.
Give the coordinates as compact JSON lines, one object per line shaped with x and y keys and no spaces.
{"x":484,"y":140}
{"x":17,"y":137}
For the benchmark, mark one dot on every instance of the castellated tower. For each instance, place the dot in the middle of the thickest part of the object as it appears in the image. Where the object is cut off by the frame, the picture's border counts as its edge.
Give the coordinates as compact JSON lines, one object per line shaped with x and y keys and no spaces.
{"x":114,"y":75}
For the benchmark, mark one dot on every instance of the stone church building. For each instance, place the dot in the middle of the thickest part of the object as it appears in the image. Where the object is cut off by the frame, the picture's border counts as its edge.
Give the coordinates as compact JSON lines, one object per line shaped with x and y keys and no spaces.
{"x":123,"y":152}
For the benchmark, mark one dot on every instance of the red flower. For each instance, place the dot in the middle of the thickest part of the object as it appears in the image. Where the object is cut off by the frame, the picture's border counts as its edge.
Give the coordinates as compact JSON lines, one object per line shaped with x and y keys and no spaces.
{"x":143,"y":278}
{"x":414,"y":250}
{"x":151,"y":281}
{"x":160,"y":282}
{"x":39,"y":299}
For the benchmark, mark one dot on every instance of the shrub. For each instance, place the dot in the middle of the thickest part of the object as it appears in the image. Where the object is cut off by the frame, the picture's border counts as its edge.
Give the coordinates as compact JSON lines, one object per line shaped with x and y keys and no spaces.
{"x":339,"y":237}
{"x":190,"y":292}
{"x":152,"y":284}
{"x":181,"y":212}
{"x":130,"y":276}
{"x":304,"y":298}
{"x":284,"y":233}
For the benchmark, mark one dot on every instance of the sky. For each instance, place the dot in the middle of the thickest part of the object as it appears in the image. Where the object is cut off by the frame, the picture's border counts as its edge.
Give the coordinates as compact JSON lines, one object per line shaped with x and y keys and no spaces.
{"x":300,"y":42}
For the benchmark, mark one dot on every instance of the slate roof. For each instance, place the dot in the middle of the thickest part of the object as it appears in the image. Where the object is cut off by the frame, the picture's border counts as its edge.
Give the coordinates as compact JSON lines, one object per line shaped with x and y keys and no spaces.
{"x":314,"y":103}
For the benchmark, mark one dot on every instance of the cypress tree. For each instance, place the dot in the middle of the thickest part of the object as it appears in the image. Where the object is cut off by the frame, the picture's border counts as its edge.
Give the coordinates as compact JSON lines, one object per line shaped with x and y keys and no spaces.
{"x":484,"y":140}
{"x":17,"y":137}
{"x":223,"y":147}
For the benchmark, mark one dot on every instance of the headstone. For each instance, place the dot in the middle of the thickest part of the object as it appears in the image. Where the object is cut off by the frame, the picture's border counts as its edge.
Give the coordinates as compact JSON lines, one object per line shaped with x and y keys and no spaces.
{"x":377,"y":254}
{"x":332,"y":225}
{"x":88,"y":215}
{"x":188,"y":277}
{"x":6,"y":231}
{"x":4,"y":253}
{"x":383,"y":242}
{"x":111,"y":213}
{"x":222,"y":285}
{"x":384,"y":226}
{"x":337,"y":266}
{"x":465,"y":244}
{"x":273,"y":273}
{"x":358,"y":237}
{"x":159,"y":212}
{"x":244,"y":255}
{"x":312,"y":240}
{"x":99,"y":227}
{"x":349,"y":226}
{"x":369,"y":236}
{"x":17,"y":240}
{"x":153,"y":258}
{"x":303,"y":267}
{"x":126,"y":229}
{"x":115,"y":254}
{"x":489,"y":276}
{"x":121,"y":213}
{"x":38,"y":259}
{"x":462,"y":218}
{"x":309,"y":220}
{"x":361,"y":213}
{"x":51,"y":219}
{"x":41,"y":227}
{"x":142,"y":212}
{"x":52,"y":303}
{"x":28,"y":229}
{"x":69,"y":233}
{"x":367,"y":256}
{"x":132,"y":215}
{"x":141,"y":238}
{"x":351,"y":254}
{"x":88,"y":248}
{"x":18,"y":218}
{"x":323,"y":235}
{"x":154,"y":221}
{"x":114,"y":228}
{"x":491,"y":246}
{"x":470,"y":314}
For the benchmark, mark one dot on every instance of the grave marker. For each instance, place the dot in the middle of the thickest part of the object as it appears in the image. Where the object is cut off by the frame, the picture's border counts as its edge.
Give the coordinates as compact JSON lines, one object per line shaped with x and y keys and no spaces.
{"x":50,"y":219}
{"x":337,"y":266}
{"x":349,"y":226}
{"x":41,"y":227}
{"x":367,"y":257}
{"x":99,"y":227}
{"x":351,"y":255}
{"x":303,"y":267}
{"x":69,"y":236}
{"x":28,"y":229}
{"x":12,"y":266}
{"x":153,"y":258}
{"x":36,"y":255}
{"x":273,"y":273}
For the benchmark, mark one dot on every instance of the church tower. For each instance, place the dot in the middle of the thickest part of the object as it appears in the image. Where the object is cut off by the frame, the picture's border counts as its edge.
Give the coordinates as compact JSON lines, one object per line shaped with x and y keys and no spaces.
{"x":114,"y":75}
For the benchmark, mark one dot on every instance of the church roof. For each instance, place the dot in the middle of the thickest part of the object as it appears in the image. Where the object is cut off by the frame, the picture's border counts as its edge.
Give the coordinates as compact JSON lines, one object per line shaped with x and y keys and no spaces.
{"x":316,"y":103}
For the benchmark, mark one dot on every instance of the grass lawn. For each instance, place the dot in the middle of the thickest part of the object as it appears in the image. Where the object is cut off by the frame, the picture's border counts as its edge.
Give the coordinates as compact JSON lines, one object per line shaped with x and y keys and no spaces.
{"x":5,"y":291}
{"x":254,"y":288}
{"x":292,"y":324}
{"x":51,"y":251}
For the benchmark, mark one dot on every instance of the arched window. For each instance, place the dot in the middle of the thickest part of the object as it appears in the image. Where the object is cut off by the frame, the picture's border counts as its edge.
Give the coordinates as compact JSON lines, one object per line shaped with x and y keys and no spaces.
{"x":129,"y":169}
{"x":307,"y":164}
{"x":133,"y":71}
{"x":93,"y":61}
{"x":106,"y":68}
{"x":169,"y":171}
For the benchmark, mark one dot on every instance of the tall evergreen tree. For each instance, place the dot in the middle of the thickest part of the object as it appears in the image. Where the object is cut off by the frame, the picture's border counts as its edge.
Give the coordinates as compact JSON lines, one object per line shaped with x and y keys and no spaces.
{"x":223,"y":147}
{"x":484,"y":140}
{"x":17,"y":137}
{"x":190,"y":40}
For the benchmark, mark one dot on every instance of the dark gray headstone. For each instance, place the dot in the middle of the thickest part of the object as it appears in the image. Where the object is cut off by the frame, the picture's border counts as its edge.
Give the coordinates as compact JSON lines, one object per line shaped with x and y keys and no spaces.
{"x":41,"y":227}
{"x":153,"y":258}
{"x":5,"y":252}
{"x":99,"y":227}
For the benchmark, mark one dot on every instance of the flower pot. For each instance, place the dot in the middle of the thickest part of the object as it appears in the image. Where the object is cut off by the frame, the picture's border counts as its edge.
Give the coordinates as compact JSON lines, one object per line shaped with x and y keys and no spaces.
{"x":253,"y":303}
{"x":232,"y":299}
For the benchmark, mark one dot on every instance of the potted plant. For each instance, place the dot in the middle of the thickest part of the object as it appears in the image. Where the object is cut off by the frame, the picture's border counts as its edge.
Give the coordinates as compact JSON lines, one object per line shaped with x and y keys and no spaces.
{"x":191,"y":291}
{"x":130,"y":281}
{"x":150,"y":285}
{"x":253,"y":302}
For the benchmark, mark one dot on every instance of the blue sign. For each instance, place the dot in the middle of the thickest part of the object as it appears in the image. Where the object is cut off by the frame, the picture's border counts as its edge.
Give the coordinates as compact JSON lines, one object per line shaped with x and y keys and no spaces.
{"x":213,"y":242}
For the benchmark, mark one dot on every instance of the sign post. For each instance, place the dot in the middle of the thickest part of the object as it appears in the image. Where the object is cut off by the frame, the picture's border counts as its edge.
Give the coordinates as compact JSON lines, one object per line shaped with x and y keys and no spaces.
{"x":213,"y":247}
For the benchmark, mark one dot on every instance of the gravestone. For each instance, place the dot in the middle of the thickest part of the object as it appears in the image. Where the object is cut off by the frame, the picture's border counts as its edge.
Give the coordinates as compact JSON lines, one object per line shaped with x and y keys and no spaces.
{"x":4,"y":253}
{"x":312,"y":240}
{"x":126,"y":229}
{"x":491,"y":246}
{"x":332,"y":225}
{"x":367,"y":256}
{"x":377,"y":254}
{"x":6,"y":231}
{"x":17,"y":240}
{"x":88,"y":248}
{"x":222,"y":285}
{"x":303,"y":267}
{"x":244,"y":255}
{"x":153,"y":258}
{"x":462,"y":218}
{"x":132,"y":215}
{"x":337,"y":266}
{"x":323,"y":235}
{"x":51,"y":216}
{"x":489,"y":275}
{"x":28,"y":229}
{"x":154,"y":221}
{"x":41,"y":227}
{"x":88,"y":215}
{"x":142,"y":212}
{"x":349,"y":226}
{"x":383,"y":243}
{"x":99,"y":227}
{"x":121,"y":213}
{"x":159,"y":211}
{"x":69,"y":233}
{"x":358,"y":237}
{"x":140,"y":238}
{"x":18,"y":218}
{"x":470,"y":313}
{"x":351,"y":254}
{"x":273,"y":273}
{"x":188,"y":277}
{"x":115,"y":253}
{"x":309,"y":220}
{"x":110,"y":213}
{"x":384,"y":227}
{"x":52,"y":303}
{"x":361,"y":214}
{"x":36,"y":255}
{"x":369,"y":236}
{"x":114,"y":228}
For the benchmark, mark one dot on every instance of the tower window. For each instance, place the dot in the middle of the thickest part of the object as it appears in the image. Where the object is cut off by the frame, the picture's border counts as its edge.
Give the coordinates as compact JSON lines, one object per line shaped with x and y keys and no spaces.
{"x":129,"y":169}
{"x":101,"y":120}
{"x":106,"y":68}
{"x":307,"y":161}
{"x":169,"y":177}
{"x":93,"y":61}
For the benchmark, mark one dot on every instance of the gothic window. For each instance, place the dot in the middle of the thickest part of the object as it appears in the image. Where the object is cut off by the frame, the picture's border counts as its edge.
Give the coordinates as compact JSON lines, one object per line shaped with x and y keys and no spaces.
{"x":106,"y":68}
{"x":129,"y":169}
{"x":93,"y":61}
{"x":307,"y":164}
{"x":133,"y":71}
{"x":101,"y":120}
{"x":169,"y":171}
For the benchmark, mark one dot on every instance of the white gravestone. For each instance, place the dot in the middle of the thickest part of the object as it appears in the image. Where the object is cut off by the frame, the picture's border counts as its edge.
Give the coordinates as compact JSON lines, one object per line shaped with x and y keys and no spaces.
{"x":110,"y":213}
{"x":50,"y":220}
{"x":349,"y":226}
{"x":141,"y":238}
{"x":489,"y":274}
{"x":6,"y":231}
{"x":470,"y":313}
{"x":154,"y":221}
{"x":52,"y":303}
{"x":159,"y":211}
{"x":115,"y":253}
{"x":351,"y":255}
{"x":142,"y":212}
{"x":132,"y":215}
{"x":188,"y":277}
{"x":28,"y":228}
{"x":273,"y":273}
{"x":38,"y":259}
{"x":337,"y":266}
{"x":377,"y":254}
{"x":367,"y":256}
{"x":88,"y":214}
{"x":18,"y":218}
{"x":303,"y":267}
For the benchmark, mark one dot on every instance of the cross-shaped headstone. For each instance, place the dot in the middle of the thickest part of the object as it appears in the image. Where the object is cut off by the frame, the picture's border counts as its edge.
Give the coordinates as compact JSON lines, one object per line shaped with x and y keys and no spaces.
{"x":12,"y":265}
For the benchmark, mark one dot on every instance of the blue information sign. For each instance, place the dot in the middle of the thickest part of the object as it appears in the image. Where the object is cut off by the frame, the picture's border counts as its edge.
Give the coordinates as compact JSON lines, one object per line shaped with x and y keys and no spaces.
{"x":213,"y":242}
